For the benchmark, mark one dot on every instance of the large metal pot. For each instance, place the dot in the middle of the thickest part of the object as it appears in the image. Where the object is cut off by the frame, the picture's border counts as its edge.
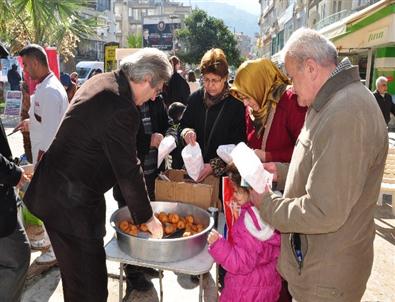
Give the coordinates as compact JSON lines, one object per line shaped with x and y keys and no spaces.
{"x":164,"y":250}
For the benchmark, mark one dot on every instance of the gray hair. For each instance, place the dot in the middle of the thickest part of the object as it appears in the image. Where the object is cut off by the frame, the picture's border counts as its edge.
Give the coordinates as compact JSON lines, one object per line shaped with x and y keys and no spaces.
{"x":381,"y":80}
{"x":147,"y":62}
{"x":306,"y":43}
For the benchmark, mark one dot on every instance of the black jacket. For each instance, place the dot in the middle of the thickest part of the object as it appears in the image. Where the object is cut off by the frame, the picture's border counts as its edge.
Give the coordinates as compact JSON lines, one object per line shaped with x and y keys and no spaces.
{"x":177,"y":90}
{"x":159,"y":123}
{"x":386,"y":105}
{"x":95,"y":147}
{"x":10,"y":175}
{"x":229,"y":129}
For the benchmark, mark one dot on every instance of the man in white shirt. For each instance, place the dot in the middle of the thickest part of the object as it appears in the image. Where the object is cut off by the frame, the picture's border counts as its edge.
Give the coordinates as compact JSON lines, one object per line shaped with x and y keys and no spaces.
{"x":46,"y":111}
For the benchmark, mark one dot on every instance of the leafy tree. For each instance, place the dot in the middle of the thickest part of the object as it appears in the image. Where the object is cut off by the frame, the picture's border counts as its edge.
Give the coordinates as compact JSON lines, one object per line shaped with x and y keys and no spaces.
{"x":56,"y":23}
{"x":203,"y":32}
{"x":135,"y":41}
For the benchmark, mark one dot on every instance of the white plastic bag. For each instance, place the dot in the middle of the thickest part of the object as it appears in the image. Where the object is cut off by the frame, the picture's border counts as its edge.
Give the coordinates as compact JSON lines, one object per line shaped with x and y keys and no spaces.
{"x":224,"y":152}
{"x":250,"y":168}
{"x":167,"y":145}
{"x":193,"y":160}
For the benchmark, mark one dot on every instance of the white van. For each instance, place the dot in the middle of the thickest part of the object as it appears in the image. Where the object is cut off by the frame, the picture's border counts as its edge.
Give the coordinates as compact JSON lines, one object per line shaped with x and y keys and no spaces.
{"x":85,"y":69}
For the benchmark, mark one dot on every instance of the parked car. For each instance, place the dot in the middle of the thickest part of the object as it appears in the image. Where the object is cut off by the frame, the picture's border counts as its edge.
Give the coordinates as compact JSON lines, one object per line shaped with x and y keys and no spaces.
{"x":86,"y":68}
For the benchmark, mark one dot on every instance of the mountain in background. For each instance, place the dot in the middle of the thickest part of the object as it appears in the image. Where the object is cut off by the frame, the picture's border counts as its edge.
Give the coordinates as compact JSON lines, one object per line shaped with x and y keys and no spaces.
{"x":236,"y":19}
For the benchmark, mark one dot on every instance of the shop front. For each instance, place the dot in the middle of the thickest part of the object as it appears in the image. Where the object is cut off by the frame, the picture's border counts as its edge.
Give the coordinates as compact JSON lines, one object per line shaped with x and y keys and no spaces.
{"x":368,"y":38}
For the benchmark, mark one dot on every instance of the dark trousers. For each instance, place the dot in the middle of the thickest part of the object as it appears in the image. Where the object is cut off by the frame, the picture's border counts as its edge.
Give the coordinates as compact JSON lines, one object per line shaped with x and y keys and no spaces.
{"x":82,"y":264}
{"x":14,"y":263}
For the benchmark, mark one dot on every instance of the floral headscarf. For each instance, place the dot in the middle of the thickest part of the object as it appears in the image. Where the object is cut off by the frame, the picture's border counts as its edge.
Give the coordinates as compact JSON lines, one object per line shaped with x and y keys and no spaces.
{"x":261,"y":80}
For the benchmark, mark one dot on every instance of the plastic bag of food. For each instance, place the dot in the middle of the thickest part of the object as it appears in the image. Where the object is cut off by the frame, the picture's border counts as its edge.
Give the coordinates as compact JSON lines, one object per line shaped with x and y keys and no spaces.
{"x":224,"y":151}
{"x":193,"y":160}
{"x":250,"y":168}
{"x":167,"y":145}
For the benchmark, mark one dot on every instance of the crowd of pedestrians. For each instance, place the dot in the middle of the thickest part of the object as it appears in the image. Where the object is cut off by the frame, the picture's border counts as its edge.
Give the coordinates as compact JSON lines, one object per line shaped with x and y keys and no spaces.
{"x":314,"y":125}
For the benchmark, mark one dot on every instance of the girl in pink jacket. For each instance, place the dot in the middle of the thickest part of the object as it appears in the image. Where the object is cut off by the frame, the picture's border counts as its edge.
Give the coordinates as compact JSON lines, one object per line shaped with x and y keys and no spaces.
{"x":251,"y":258}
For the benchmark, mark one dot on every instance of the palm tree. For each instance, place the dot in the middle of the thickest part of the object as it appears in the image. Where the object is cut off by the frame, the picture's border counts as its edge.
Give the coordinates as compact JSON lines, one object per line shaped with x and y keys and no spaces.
{"x":47,"y":22}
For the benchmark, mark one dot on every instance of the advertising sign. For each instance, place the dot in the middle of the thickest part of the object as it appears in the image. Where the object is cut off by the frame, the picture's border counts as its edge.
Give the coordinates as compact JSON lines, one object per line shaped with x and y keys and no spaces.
{"x":158,"y":31}
{"x":13,"y":102}
{"x":110,"y":62}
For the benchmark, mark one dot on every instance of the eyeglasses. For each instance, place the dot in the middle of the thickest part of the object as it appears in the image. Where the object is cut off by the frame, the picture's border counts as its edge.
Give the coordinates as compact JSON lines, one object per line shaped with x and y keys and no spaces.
{"x":211,"y":81}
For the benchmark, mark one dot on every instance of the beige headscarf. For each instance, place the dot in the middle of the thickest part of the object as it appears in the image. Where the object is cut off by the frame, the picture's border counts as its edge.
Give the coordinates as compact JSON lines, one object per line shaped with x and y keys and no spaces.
{"x":261,"y":80}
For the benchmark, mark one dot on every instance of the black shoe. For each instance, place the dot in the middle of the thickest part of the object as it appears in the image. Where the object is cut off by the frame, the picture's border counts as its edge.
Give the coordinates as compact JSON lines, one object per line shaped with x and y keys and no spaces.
{"x":138,"y":282}
{"x":150,"y":272}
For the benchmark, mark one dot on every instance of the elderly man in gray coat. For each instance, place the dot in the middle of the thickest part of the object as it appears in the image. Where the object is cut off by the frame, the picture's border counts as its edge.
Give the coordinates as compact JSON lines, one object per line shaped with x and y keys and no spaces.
{"x":326,"y":215}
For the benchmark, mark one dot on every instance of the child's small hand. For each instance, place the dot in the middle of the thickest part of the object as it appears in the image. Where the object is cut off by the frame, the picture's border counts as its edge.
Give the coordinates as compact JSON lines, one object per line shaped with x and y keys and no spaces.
{"x":213,"y":236}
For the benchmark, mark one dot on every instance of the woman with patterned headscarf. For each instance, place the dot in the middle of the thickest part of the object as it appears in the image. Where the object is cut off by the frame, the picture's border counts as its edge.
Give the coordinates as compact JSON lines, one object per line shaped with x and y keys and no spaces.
{"x":273,"y":116}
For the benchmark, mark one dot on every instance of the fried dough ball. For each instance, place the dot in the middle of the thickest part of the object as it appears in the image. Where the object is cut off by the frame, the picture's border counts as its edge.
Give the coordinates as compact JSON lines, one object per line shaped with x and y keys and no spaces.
{"x":133,"y":230}
{"x":174,"y":218}
{"x":180,"y":224}
{"x":186,"y":234}
{"x":163,"y":217}
{"x":199,"y":228}
{"x":194,"y":227}
{"x":124,"y":225}
{"x":143,"y":227}
{"x":189,"y":218}
{"x":169,"y":228}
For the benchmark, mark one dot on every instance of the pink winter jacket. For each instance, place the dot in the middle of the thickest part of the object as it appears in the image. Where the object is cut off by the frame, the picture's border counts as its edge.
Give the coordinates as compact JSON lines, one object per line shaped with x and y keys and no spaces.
{"x":250,"y":260}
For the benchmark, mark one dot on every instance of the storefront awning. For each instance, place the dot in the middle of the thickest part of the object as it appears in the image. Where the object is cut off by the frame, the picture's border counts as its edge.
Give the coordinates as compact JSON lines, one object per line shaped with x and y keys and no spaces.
{"x":370,"y":27}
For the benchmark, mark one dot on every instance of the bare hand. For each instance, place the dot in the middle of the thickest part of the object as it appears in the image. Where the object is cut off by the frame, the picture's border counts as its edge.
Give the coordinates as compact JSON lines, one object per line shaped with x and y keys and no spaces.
{"x":261,"y":154}
{"x":23,"y":180}
{"x":206,"y":171}
{"x":271,"y":168}
{"x":155,"y":227}
{"x":213,"y":236}
{"x":156,"y":138}
{"x":23,"y":126}
{"x":190,"y":137}
{"x":257,"y":198}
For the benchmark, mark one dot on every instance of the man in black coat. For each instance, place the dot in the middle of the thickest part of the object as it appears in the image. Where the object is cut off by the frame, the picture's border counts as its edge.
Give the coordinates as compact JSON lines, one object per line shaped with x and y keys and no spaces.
{"x":14,"y":245}
{"x":384,"y":100}
{"x":14,"y":78}
{"x":95,"y":147}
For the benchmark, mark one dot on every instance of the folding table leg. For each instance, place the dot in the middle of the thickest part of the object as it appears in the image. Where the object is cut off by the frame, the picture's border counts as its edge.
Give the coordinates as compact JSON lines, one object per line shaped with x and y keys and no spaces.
{"x":201,"y":288}
{"x":160,"y":286}
{"x":120,"y":281}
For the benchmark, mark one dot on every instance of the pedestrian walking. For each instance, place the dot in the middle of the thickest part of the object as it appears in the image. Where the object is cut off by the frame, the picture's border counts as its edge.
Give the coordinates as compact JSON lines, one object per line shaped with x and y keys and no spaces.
{"x":13,"y":77}
{"x":384,"y":99}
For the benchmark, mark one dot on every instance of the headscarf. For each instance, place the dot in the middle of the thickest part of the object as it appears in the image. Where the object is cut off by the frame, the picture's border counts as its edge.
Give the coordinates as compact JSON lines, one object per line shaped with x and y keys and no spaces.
{"x":261,"y":80}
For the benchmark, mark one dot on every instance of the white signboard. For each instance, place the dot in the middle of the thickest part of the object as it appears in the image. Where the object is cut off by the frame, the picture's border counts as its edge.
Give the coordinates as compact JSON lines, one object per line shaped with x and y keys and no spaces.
{"x":13,"y":103}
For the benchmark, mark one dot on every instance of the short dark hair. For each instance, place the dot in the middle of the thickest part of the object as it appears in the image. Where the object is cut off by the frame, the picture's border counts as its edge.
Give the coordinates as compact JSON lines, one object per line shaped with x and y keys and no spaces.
{"x":35,"y":51}
{"x":191,"y":76}
{"x":176,"y":111}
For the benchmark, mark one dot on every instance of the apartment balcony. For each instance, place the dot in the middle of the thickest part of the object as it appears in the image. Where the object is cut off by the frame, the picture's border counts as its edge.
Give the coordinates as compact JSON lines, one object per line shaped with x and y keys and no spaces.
{"x":333,"y":18}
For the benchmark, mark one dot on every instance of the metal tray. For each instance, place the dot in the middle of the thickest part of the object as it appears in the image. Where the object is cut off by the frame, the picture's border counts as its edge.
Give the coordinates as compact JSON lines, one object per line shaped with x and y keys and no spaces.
{"x":164,"y":250}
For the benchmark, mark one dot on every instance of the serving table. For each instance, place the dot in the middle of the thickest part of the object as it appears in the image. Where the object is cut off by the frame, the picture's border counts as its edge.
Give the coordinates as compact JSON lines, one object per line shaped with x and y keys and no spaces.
{"x":197,"y":266}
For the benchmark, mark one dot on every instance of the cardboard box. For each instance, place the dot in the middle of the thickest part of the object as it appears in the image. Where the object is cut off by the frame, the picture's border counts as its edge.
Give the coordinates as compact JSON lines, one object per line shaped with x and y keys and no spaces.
{"x":183,"y":189}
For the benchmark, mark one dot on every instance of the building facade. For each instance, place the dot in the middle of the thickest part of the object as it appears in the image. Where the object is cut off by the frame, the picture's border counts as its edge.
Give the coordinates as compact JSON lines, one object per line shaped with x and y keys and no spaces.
{"x":130,"y":14}
{"x":363,"y":30}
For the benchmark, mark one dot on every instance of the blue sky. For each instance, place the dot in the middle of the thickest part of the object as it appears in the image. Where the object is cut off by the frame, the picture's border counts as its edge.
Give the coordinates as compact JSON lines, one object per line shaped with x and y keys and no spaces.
{"x":251,"y":6}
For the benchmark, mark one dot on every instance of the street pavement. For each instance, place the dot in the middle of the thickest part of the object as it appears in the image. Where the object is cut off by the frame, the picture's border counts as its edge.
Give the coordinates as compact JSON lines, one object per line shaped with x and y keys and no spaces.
{"x":179,"y":288}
